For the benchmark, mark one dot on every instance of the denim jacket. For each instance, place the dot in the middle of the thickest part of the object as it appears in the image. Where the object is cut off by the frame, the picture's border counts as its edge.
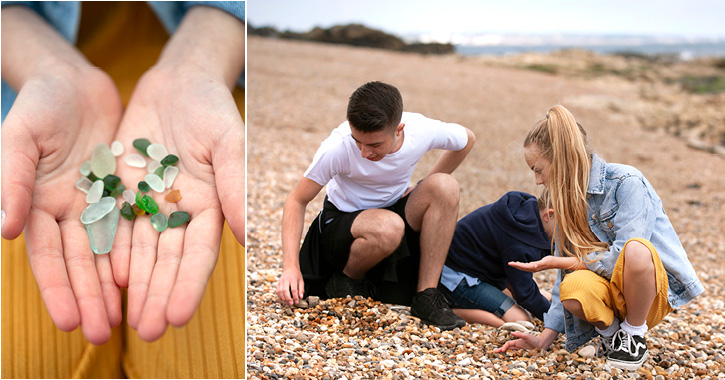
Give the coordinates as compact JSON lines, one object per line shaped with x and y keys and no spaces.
{"x":622,"y":205}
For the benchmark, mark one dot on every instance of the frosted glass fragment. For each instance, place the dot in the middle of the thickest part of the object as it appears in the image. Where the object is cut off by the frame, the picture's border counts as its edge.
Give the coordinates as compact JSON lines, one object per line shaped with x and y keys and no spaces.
{"x":135,"y":160}
{"x":102,"y":232}
{"x":95,"y":193}
{"x":118,"y":191}
{"x":130,"y":197}
{"x":141,"y":145}
{"x":173,"y":196}
{"x":144,"y":187}
{"x":103,"y":162}
{"x":169,"y":160}
{"x":117,"y":148}
{"x":86,"y":168}
{"x":159,"y":222}
{"x":156,"y":183}
{"x":84,"y":184}
{"x":127,"y":211}
{"x":170,"y":175}
{"x":153,"y":165}
{"x":98,"y":210}
{"x":178,"y":218}
{"x":157,"y":152}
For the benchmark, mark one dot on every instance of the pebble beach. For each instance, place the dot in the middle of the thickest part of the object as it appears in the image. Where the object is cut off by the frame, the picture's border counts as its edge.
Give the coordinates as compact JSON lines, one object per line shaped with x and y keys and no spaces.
{"x":298,"y":93}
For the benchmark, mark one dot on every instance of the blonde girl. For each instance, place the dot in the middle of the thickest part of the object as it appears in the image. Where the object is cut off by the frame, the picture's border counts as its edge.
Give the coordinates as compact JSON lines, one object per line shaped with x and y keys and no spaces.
{"x":621,"y":265}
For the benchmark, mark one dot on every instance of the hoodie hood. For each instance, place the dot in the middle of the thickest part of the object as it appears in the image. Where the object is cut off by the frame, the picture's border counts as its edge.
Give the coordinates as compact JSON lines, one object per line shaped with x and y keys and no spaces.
{"x":517,"y":214}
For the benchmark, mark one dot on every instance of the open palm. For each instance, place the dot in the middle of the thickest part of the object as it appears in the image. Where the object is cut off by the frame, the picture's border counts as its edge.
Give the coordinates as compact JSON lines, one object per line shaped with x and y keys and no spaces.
{"x":196,"y":119}
{"x":55,"y":122}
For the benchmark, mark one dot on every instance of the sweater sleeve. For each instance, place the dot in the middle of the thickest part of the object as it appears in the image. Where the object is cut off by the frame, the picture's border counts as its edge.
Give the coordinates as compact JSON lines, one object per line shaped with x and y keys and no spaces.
{"x":523,"y":286}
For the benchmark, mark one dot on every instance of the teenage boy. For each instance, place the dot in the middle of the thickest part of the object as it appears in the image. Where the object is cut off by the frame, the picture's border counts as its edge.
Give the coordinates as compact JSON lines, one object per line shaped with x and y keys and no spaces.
{"x":376,"y":236}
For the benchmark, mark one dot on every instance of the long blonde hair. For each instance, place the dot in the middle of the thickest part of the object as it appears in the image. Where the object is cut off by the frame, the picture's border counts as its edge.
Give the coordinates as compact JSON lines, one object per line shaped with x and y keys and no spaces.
{"x":563,"y":142}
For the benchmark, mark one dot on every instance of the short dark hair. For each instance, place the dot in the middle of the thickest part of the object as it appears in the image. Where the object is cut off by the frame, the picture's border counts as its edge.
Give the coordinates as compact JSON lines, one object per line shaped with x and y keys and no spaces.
{"x":375,"y":106}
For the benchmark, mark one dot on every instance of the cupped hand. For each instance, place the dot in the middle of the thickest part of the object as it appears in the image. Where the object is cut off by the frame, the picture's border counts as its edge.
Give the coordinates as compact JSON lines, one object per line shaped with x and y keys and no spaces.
{"x":195,"y":117}
{"x":55,"y":123}
{"x":525,"y":341}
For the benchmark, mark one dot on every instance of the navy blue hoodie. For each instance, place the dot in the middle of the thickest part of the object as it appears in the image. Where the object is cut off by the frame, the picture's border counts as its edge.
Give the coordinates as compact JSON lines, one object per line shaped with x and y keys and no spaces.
{"x":488,"y":238}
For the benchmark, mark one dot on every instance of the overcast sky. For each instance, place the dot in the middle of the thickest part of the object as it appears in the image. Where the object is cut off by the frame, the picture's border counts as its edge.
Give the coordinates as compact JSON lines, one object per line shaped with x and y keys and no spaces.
{"x":693,"y":18}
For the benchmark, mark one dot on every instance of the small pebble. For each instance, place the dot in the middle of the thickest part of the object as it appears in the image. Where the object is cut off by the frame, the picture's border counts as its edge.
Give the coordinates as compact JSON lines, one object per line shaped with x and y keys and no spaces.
{"x":95,"y":193}
{"x":178,"y":218}
{"x":170,"y":160}
{"x":135,"y":160}
{"x":86,"y":168}
{"x":173,"y":196}
{"x":587,"y":351}
{"x":127,"y":211}
{"x":84,"y":184}
{"x":159,"y":222}
{"x":130,"y":197}
{"x":157,"y":151}
{"x":142,"y":145}
{"x":170,"y":174}
{"x":117,"y":148}
{"x":103,"y":162}
{"x":156,"y":183}
{"x":513,"y":326}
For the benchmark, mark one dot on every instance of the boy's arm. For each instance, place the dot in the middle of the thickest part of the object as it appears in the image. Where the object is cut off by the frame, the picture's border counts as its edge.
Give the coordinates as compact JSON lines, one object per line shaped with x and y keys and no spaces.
{"x":290,"y":288}
{"x":450,"y":159}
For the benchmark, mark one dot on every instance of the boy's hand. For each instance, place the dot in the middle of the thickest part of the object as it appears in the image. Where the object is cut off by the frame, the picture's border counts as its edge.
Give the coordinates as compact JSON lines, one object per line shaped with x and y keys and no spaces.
{"x":291,"y":287}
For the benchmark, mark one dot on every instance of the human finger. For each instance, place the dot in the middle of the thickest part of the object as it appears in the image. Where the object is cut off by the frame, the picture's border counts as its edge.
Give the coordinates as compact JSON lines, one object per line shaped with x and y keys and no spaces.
{"x":144,"y":242}
{"x":152,"y":324}
{"x":201,"y":250}
{"x":120,"y":254}
{"x":19,"y":160}
{"x":111,"y":291}
{"x":45,"y":254}
{"x":83,"y":275}
{"x":228,"y":163}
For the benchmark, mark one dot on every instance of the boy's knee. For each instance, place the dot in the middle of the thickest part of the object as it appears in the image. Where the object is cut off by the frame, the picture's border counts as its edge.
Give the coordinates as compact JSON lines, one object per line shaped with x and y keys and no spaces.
{"x":390,"y":232}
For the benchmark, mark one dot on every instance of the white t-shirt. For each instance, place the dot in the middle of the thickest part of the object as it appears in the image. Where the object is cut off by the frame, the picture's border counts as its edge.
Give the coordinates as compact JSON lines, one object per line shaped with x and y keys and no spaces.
{"x":356,"y":183}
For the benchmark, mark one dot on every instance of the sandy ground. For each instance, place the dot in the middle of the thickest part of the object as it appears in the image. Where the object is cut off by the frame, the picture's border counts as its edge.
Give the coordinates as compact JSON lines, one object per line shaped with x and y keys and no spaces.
{"x":297,"y":93}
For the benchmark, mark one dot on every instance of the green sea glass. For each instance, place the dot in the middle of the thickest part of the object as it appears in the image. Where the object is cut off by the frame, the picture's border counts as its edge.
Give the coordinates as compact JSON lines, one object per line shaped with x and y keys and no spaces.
{"x":127,"y":211}
{"x":169,"y":160}
{"x":143,"y":186}
{"x":141,"y":145}
{"x":118,"y":190}
{"x":102,"y":232}
{"x":159,"y":222}
{"x":111,"y":182}
{"x":147,"y":204}
{"x":160,"y":171}
{"x":96,"y":211}
{"x":178,"y":218}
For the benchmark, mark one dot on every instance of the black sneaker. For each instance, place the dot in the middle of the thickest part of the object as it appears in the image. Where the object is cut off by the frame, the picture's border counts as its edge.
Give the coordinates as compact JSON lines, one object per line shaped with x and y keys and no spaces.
{"x":628,"y":351}
{"x":341,"y":286}
{"x":605,"y":347}
{"x":432,"y":308}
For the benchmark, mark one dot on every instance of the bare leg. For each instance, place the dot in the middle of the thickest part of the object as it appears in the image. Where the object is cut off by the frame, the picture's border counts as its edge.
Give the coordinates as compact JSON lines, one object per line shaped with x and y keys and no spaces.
{"x":433,"y":211}
{"x":479,"y":316}
{"x":516,"y":313}
{"x":378,"y":234}
{"x":639,"y":283}
{"x":575,"y":307}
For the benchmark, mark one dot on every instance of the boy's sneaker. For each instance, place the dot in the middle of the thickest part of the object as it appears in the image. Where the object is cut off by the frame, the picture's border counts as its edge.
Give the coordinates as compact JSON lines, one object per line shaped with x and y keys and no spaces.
{"x":605,"y":347}
{"x":628,"y":351}
{"x":341,"y":286}
{"x":432,"y":308}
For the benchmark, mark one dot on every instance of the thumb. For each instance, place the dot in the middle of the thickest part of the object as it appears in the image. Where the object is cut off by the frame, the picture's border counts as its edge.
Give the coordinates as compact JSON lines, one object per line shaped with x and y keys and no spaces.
{"x":20,"y":157}
{"x":228,"y":163}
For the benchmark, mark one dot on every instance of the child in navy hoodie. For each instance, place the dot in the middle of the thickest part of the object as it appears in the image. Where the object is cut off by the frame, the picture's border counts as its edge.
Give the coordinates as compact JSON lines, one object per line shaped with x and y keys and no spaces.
{"x":517,"y":227}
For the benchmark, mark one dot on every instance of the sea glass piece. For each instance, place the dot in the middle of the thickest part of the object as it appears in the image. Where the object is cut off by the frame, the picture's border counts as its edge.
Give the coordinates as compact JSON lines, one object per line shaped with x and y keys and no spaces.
{"x":117,"y":148}
{"x":173,"y":196}
{"x":135,"y":160}
{"x":159,"y":222}
{"x":157,"y":151}
{"x":153,"y":165}
{"x":160,"y":171}
{"x":155,"y":182}
{"x":178,"y":218}
{"x":98,"y":210}
{"x":142,"y":145}
{"x":137,"y":210}
{"x":170,"y":160}
{"x":111,"y":182}
{"x":144,"y":187}
{"x":86,"y":168}
{"x":95,"y":193}
{"x":102,"y":231}
{"x":170,"y":175}
{"x":84,"y":184}
{"x":92,"y":177}
{"x":130,"y":197}
{"x":127,"y":211}
{"x":147,"y":204}
{"x":103,"y":162}
{"x":118,"y":191}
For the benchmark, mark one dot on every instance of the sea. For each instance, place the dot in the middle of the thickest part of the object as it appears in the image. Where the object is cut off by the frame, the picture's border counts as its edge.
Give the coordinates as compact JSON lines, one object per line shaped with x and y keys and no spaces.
{"x":683,"y":51}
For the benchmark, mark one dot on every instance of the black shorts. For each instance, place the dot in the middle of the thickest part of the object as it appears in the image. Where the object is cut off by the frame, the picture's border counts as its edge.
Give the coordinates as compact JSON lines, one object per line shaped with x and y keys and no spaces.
{"x":395,"y":278}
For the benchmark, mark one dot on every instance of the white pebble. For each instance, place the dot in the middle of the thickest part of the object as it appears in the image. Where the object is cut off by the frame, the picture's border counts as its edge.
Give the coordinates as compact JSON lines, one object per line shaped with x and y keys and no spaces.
{"x":513,"y":326}
{"x":153,"y":165}
{"x":170,"y":175}
{"x":84,"y":184}
{"x":157,"y":151}
{"x":117,"y":148}
{"x":156,"y":183}
{"x":135,"y":160}
{"x":130,"y":197}
{"x":95,"y":193}
{"x":587,"y":351}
